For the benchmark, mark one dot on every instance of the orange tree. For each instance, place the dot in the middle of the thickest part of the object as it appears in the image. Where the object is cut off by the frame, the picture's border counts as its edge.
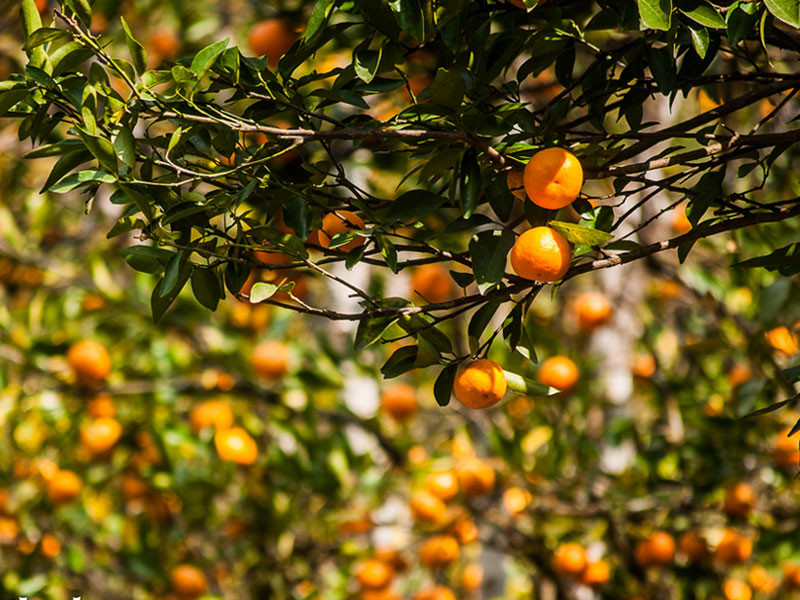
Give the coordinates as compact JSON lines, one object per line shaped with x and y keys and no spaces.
{"x":363,"y":141}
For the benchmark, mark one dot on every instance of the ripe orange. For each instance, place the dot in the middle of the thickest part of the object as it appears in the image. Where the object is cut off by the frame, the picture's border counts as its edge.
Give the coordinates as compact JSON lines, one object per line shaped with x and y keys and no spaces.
{"x":786,"y":451}
{"x":480,"y":384}
{"x":783,"y":340}
{"x":739,"y":374}
{"x":51,"y":547}
{"x":41,"y":6}
{"x":439,"y":551}
{"x":541,"y":254}
{"x":516,"y":183}
{"x":101,"y":406}
{"x":432,"y":283}
{"x":64,"y":487}
{"x":271,"y":359}
{"x":475,"y":476}
{"x":100,"y":435}
{"x":644,"y":366}
{"x":399,"y":401}
{"x":466,"y":531}
{"x":188,"y":581}
{"x":593,"y":310}
{"x":211,"y":413}
{"x":236,"y":445}
{"x":374,"y":574}
{"x":9,"y":530}
{"x":680,"y":222}
{"x":417,"y":455}
{"x":761,"y":580}
{"x":596,"y":574}
{"x":740,"y":500}
{"x":569,"y":559}
{"x":436,"y":592}
{"x":733,"y":548}
{"x":735,"y":589}
{"x":443,"y":484}
{"x":558,"y":372}
{"x":553,"y":178}
{"x":516,"y":500}
{"x":471,"y":578}
{"x":379,"y":594}
{"x":338,"y":222}
{"x":3,"y":500}
{"x":657,"y":550}
{"x":133,"y":487}
{"x":89,"y":361}
{"x":693,"y":546}
{"x":164,"y":44}
{"x":271,"y":37}
{"x":427,"y":507}
{"x":791,"y":575}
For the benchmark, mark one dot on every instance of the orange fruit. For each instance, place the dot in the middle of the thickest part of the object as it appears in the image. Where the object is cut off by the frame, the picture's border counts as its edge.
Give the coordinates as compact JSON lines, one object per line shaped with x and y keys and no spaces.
{"x":92,"y":302}
{"x":211,"y":413}
{"x":432,"y":283}
{"x":443,"y":484}
{"x":51,"y":547}
{"x":379,"y":594}
{"x":475,"y":476}
{"x":480,"y":384}
{"x":644,"y":366}
{"x":374,"y":574}
{"x":693,"y":546}
{"x":338,"y":222}
{"x":541,"y":254}
{"x":3,"y":500}
{"x":791,"y":575}
{"x":558,"y":372}
{"x":133,"y":487}
{"x":100,"y":435}
{"x":89,"y":361}
{"x":271,"y":37}
{"x":471,"y":578}
{"x":734,"y":589}
{"x":41,"y":6}
{"x":760,"y":580}
{"x":399,"y":401}
{"x":417,"y":455}
{"x":786,"y":450}
{"x":593,"y":310}
{"x":164,"y":44}
{"x":516,"y":183}
{"x":188,"y":581}
{"x":733,"y":548}
{"x":25,"y":546}
{"x":271,"y":359}
{"x":427,"y":507}
{"x":392,"y":557}
{"x":680,"y":222}
{"x":596,"y":574}
{"x":569,"y":559}
{"x":9,"y":530}
{"x":436,"y":592}
{"x":783,"y":340}
{"x":101,"y":406}
{"x":516,"y":500}
{"x":657,"y":550}
{"x":466,"y":531}
{"x":739,"y":374}
{"x":553,"y":178}
{"x":64,"y":487}
{"x":236,"y":445}
{"x":439,"y":551}
{"x":740,"y":500}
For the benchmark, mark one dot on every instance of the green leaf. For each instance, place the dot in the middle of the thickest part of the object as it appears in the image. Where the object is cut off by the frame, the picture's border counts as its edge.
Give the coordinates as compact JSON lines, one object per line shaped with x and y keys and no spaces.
{"x":443,"y":386}
{"x":700,"y":40}
{"x":414,"y":206}
{"x":480,"y":319}
{"x":471,"y":182}
{"x":31,"y":19}
{"x":318,"y":17}
{"x":82,"y":10}
{"x":448,"y":89}
{"x":741,"y":19}
{"x":401,"y":361}
{"x":159,"y":303}
{"x":523,"y":385}
{"x":44,"y":35}
{"x":102,"y":149}
{"x":792,"y":373}
{"x":65,"y":164}
{"x":705,"y":14}
{"x":579,"y":235}
{"x":82,"y":178}
{"x":206,"y":287}
{"x":655,"y":14}
{"x":427,"y":353}
{"x":146,"y":259}
{"x":204,"y":59}
{"x":787,"y":11}
{"x":171,"y":273}
{"x":137,"y":51}
{"x":489,"y":250}
{"x":410,"y":17}
{"x":366,"y":63}
{"x":297,"y":215}
{"x":262,"y":291}
{"x":125,"y":147}
{"x":370,"y":331}
{"x":10,"y":98}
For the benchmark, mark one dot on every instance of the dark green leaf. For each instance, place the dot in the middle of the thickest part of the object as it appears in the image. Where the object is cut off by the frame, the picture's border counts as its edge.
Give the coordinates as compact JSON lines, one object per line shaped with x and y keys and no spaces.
{"x":138,"y":54}
{"x":705,"y":14}
{"x":583,"y":236}
{"x":655,"y":14}
{"x":206,"y":287}
{"x":489,"y":250}
{"x":204,"y":59}
{"x":81,"y":178}
{"x":443,"y":387}
{"x":146,"y":259}
{"x":401,"y":361}
{"x":471,"y":182}
{"x":414,"y":205}
{"x":318,"y":17}
{"x":787,"y":11}
{"x":448,"y":89}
